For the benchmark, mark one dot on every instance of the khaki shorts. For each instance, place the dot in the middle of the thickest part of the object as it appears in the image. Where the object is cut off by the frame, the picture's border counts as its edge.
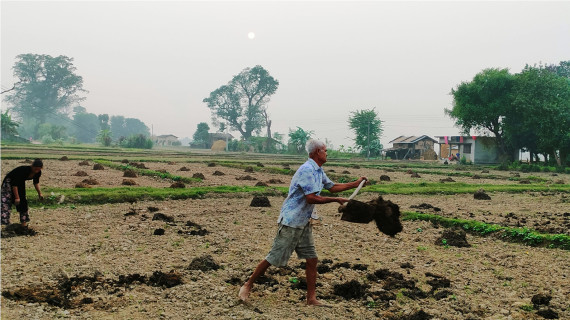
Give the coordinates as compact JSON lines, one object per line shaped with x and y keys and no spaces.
{"x":289,"y":239}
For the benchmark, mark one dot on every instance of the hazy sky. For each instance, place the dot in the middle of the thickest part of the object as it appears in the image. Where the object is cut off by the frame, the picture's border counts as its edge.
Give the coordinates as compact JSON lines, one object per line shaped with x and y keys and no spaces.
{"x":157,"y":61}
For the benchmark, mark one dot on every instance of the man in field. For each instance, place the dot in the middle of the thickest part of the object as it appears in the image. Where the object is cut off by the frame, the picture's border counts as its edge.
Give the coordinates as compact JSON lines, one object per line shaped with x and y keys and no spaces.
{"x":295,"y":232}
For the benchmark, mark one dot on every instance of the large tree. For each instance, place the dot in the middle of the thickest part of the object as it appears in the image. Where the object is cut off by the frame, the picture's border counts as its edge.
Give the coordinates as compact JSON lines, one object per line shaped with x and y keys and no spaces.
{"x":483,"y":103}
{"x":298,"y":139}
{"x":85,"y":125}
{"x":9,"y":126}
{"x":367,"y":128}
{"x":202,"y":135}
{"x":541,"y":112}
{"x":242,"y":103}
{"x":122,"y":127}
{"x":46,"y":86}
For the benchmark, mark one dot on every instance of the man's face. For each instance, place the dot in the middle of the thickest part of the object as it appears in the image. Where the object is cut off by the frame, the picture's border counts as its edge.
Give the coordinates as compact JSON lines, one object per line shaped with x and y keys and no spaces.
{"x":35,"y":170}
{"x":322,"y":154}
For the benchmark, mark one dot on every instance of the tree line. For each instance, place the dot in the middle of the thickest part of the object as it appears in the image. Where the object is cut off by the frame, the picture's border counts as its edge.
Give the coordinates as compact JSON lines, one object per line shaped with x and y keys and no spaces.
{"x":527,"y":111}
{"x":46,"y":88}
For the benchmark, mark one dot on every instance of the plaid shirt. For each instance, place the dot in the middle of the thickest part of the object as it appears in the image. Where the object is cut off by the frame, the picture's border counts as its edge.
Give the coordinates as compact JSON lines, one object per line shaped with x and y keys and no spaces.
{"x":309,"y":178}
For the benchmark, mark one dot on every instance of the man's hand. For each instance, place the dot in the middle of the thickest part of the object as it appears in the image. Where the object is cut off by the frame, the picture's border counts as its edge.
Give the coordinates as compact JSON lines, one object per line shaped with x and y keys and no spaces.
{"x":360,"y":180}
{"x":341,"y":201}
{"x":17,"y":201}
{"x":41,"y":196}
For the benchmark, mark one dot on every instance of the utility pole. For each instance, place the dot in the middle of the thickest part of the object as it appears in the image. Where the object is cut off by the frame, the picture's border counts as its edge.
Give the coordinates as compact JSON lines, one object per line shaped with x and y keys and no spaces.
{"x":368,"y":155}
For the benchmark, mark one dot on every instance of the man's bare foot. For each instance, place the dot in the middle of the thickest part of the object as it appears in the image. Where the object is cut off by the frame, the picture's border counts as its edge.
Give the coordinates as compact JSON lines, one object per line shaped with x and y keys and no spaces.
{"x":244,"y":292}
{"x":317,"y":303}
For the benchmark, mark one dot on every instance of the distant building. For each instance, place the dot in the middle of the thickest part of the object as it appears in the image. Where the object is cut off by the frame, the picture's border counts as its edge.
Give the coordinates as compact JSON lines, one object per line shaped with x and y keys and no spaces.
{"x":212,"y":137}
{"x":476,"y":149}
{"x":165,"y":140}
{"x":411,"y":147}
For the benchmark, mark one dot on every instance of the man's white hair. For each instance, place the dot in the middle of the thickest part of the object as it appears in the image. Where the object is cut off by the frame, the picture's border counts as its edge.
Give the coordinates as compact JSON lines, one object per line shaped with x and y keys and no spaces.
{"x":313,"y":145}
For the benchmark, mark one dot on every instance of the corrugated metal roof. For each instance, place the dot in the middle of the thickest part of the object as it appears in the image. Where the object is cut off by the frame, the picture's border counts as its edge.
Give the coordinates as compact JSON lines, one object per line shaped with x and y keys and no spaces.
{"x":411,"y":139}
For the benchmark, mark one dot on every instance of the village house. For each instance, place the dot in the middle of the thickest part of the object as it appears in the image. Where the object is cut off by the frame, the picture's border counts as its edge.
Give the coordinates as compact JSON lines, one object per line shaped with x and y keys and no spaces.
{"x":412,"y":147}
{"x":475,"y":149}
{"x":165,"y":140}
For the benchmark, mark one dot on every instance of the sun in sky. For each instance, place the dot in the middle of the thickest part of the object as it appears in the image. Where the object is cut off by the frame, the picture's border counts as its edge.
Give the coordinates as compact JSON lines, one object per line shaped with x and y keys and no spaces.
{"x":251,"y":35}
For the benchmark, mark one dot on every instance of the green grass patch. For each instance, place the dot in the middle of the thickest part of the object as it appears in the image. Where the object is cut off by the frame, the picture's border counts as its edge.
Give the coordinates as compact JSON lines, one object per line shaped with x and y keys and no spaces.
{"x":147,"y":172}
{"x":519,"y":235}
{"x":93,"y":196}
{"x":458,"y":187}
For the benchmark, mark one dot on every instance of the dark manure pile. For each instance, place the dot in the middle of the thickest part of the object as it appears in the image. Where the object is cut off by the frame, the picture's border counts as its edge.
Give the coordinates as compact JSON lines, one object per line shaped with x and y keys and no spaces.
{"x":178,"y":184}
{"x":84,"y":163}
{"x":129,"y":182}
{"x":386,"y":214}
{"x":183,"y":169}
{"x":274,"y":181}
{"x":425,"y":206}
{"x":203,"y":263}
{"x":16,"y":230}
{"x":64,"y":158}
{"x":446,"y":180}
{"x":194,"y":229}
{"x":91,"y":182}
{"x":162,"y":217}
{"x":80,"y":174}
{"x":260,"y":201}
{"x":218,"y":173}
{"x":246,"y":177}
{"x":351,"y":290}
{"x":453,"y":237}
{"x":158,"y":232}
{"x":138,"y":165}
{"x":481,"y":195}
{"x":384,"y":178}
{"x":199,"y":175}
{"x":249,"y":169}
{"x":98,"y":166}
{"x":129,"y":173}
{"x":82,"y":185}
{"x":73,"y":292}
{"x":211,"y":164}
{"x":261,"y":184}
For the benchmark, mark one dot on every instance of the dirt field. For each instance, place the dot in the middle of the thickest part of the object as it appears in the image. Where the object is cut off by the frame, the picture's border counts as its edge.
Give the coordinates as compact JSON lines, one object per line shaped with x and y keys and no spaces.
{"x":111,"y":261}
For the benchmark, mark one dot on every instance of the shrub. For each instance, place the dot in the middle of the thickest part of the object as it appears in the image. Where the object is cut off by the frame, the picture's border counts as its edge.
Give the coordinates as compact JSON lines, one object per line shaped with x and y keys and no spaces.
{"x":139,"y":141}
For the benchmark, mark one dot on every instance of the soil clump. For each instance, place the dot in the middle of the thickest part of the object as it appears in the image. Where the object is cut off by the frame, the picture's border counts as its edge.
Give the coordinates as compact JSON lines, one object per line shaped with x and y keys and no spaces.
{"x":425,"y":206}
{"x":249,"y":169}
{"x":80,"y":174}
{"x":17,"y":229}
{"x":129,"y":182}
{"x":82,"y":185}
{"x":183,"y":169}
{"x":246,"y":177}
{"x":385,"y":213}
{"x":384,"y":178}
{"x":274,"y":181}
{"x":177,"y":185}
{"x":91,"y":182}
{"x":481,"y":195}
{"x":129,"y":173}
{"x":448,"y":179}
{"x":64,"y":158}
{"x":203,"y":263}
{"x":453,"y":237}
{"x":351,"y":290}
{"x":98,"y":166}
{"x":261,"y":184}
{"x":218,"y":173}
{"x":84,"y":163}
{"x":260,"y":201}
{"x":199,"y":175}
{"x":162,"y":217}
{"x":211,"y":164}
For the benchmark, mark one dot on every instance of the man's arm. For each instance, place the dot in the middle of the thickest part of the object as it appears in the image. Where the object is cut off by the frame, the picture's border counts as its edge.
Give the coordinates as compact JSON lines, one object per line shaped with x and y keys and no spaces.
{"x":338,"y":187}
{"x":313,"y":198}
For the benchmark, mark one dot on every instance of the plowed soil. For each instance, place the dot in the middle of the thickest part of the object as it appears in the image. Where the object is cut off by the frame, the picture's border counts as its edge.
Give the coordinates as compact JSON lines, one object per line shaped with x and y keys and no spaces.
{"x":364,"y":274}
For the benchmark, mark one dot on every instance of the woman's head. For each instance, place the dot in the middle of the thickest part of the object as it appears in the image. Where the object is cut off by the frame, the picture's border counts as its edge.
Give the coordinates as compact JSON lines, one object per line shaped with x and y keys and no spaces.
{"x":37,"y":165}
